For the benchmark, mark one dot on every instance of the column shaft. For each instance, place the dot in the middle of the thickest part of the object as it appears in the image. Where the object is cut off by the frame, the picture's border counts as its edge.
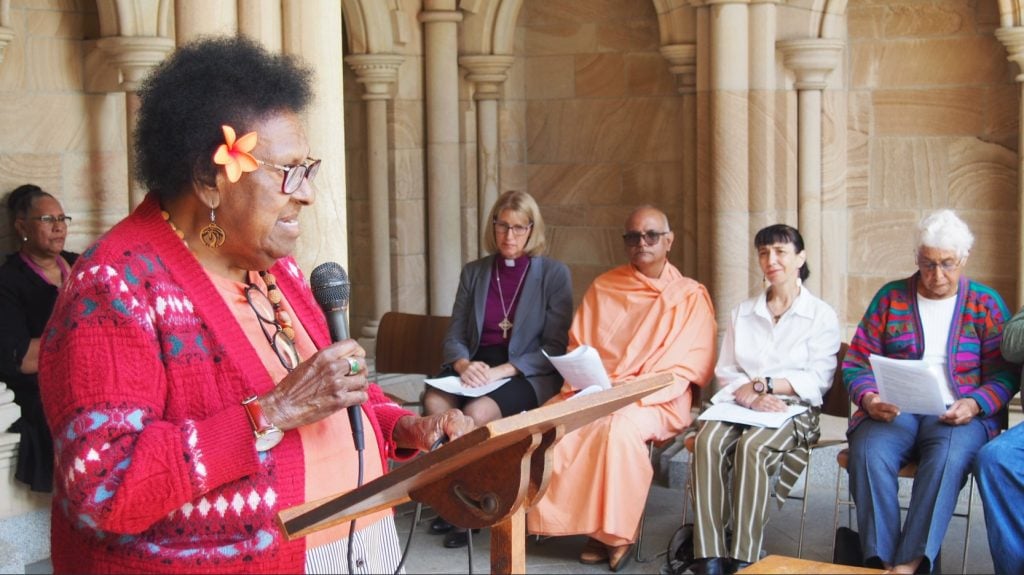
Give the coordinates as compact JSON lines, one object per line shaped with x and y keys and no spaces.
{"x":809,"y":180}
{"x":261,"y":21}
{"x":729,"y":156}
{"x":194,"y":18}
{"x":487,"y":160}
{"x":380,"y":226}
{"x":312,"y":31}
{"x":441,"y":76}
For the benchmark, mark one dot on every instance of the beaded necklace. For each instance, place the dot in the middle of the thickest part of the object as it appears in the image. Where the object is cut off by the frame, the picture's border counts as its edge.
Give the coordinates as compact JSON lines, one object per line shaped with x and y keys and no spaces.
{"x":273,"y":293}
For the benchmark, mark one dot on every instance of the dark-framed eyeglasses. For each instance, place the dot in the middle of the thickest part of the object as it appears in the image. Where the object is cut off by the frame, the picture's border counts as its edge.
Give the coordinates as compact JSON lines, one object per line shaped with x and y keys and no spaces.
{"x":948,"y":266}
{"x":282,"y":345}
{"x":517,"y":230}
{"x":51,"y":220}
{"x":650,"y":237}
{"x":293,"y":175}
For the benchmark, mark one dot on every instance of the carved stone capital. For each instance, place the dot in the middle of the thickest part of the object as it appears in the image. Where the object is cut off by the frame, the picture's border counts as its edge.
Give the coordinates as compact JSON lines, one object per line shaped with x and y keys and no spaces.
{"x":6,"y":35}
{"x":1013,"y":39}
{"x":682,"y":61}
{"x":487,"y":72}
{"x":376,"y":72}
{"x":134,"y":56}
{"x":812,"y":59}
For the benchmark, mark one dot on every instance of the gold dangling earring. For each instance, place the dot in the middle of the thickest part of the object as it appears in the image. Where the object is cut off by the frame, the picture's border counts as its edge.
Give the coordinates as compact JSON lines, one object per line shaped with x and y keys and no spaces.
{"x":212,"y":235}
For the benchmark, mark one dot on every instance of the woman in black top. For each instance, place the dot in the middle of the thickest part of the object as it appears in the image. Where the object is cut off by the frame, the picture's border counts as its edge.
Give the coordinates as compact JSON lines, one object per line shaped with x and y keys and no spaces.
{"x":29,"y":282}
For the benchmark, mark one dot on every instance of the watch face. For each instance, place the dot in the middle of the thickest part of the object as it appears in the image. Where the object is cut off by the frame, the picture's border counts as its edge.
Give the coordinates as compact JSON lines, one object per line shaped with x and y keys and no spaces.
{"x":268,"y":439}
{"x":759,"y":386}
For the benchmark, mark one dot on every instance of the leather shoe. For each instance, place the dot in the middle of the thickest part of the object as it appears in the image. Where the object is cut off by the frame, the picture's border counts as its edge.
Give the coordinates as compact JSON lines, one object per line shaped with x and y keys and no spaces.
{"x":439,"y":526}
{"x":618,"y":557}
{"x":457,"y":537}
{"x":594,"y":552}
{"x":709,"y":566}
{"x":735,"y":565}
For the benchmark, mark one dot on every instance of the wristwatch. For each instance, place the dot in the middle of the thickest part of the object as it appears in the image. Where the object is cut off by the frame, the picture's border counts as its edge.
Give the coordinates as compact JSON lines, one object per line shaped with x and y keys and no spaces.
{"x":763,"y":385}
{"x":267,"y":434}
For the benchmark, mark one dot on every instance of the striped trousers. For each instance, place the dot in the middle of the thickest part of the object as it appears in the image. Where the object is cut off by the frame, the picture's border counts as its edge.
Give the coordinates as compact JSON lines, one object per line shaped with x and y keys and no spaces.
{"x":733,"y":468}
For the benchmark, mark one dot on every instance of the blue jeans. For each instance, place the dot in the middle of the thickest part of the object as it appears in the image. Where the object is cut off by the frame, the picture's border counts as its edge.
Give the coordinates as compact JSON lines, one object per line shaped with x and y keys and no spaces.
{"x":1000,"y":474}
{"x":945,"y":454}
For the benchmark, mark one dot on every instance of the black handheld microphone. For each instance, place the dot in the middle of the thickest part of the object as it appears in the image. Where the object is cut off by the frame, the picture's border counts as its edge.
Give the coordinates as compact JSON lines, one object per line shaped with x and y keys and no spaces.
{"x":331,"y":289}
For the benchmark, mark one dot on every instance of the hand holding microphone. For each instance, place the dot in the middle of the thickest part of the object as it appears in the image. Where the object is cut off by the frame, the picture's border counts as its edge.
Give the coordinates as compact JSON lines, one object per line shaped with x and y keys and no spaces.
{"x":331,"y":289}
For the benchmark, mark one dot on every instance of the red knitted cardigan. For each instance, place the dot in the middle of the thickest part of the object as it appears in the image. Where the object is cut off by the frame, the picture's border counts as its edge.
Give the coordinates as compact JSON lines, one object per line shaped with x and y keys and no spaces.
{"x":143,"y":370}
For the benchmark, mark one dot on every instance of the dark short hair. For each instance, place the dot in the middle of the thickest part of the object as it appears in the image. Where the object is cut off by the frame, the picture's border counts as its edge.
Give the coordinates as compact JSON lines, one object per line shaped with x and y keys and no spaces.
{"x":20,"y":200}
{"x":783,"y":234}
{"x":199,"y":87}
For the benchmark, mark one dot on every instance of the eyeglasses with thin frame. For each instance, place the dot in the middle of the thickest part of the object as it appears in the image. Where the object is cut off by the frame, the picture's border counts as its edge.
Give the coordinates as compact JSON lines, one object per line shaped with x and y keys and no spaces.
{"x":293,"y":175}
{"x":948,"y":266}
{"x":517,"y":230}
{"x":51,"y":220}
{"x":650,"y":237}
{"x":282,"y":345}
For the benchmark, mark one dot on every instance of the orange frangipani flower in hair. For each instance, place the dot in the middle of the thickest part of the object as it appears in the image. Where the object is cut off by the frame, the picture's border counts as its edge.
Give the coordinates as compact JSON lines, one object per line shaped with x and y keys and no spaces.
{"x":234,"y":154}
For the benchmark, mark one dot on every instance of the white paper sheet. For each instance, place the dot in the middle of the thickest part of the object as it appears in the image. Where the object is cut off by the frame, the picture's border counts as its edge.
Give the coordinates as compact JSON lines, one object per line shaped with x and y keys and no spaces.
{"x":582,"y":368}
{"x":453,"y":384}
{"x":735,"y":413}
{"x":913,"y":385}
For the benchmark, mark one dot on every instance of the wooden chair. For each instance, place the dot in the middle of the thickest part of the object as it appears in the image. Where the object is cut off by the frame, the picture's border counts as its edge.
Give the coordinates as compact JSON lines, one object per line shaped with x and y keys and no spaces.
{"x":909,"y":471}
{"x":410,"y":343}
{"x":836,"y":402}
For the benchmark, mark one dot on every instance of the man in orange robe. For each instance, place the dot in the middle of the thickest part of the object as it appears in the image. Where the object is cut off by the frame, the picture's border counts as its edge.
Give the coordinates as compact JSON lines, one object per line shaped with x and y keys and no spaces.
{"x":644,"y":318}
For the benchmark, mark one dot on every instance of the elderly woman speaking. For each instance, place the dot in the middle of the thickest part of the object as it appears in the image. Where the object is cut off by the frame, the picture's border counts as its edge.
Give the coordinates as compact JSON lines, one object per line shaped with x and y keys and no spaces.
{"x":955,"y":325}
{"x":188,"y":376}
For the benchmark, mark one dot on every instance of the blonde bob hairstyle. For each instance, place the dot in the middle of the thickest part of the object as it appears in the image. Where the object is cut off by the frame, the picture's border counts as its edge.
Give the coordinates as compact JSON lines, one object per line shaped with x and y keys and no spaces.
{"x":523,"y":204}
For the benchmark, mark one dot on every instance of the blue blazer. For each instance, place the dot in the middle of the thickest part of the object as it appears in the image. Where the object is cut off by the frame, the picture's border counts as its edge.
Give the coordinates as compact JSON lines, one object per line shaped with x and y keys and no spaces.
{"x":541,"y":321}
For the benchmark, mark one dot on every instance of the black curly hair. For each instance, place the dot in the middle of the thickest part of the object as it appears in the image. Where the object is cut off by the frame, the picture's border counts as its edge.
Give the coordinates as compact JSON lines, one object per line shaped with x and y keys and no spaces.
{"x":199,"y":87}
{"x":20,"y":200}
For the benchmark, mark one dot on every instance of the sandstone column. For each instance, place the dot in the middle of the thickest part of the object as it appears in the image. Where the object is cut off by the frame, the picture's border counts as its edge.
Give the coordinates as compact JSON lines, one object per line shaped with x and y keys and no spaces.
{"x":811,"y":59}
{"x":702,"y":155}
{"x":312,"y":32}
{"x":682,"y":60}
{"x":487,"y":72}
{"x":377,"y":72}
{"x":762,"y":124}
{"x":261,"y":21}
{"x":134,"y":57}
{"x":730,"y":168}
{"x":1013,"y":39}
{"x":441,"y":77}
{"x":194,"y":18}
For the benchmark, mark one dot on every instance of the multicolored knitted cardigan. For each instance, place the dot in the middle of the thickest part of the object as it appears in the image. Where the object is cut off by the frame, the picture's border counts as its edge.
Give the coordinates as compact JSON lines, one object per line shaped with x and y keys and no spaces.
{"x":891,"y":326}
{"x":144,"y":371}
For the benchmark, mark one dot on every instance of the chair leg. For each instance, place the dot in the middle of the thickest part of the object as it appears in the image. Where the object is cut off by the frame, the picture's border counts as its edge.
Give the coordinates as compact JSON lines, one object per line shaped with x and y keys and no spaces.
{"x":643,"y":518}
{"x":835,"y":513}
{"x":803,"y":507}
{"x":967,"y":531}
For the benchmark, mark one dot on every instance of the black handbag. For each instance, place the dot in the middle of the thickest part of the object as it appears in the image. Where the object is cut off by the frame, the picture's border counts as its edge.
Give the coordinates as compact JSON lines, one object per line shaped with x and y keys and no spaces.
{"x":847,"y":548}
{"x":680,"y":551}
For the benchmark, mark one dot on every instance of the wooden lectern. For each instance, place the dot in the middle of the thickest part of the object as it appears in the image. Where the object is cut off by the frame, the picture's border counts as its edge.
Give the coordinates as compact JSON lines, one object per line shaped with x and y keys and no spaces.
{"x":486,"y":478}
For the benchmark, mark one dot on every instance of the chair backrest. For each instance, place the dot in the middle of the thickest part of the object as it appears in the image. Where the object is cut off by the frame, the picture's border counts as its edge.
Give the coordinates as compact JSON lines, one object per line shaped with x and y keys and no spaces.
{"x":410,"y":343}
{"x":837,"y":401}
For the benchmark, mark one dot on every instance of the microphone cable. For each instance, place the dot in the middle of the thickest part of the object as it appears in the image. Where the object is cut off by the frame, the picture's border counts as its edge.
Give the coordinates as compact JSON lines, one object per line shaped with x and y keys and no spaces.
{"x":352,"y":524}
{"x":416,"y":516}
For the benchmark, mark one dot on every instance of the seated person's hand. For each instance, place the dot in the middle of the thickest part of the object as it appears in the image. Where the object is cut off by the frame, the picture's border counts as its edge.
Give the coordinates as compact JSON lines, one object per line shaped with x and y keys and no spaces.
{"x":747,"y":397}
{"x":878,"y":409}
{"x":412,"y":432}
{"x":961,"y":412}
{"x":473,"y":373}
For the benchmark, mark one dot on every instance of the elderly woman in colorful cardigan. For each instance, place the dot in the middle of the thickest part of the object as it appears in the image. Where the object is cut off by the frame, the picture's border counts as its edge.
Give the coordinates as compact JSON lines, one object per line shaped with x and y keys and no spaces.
{"x":955,"y":324}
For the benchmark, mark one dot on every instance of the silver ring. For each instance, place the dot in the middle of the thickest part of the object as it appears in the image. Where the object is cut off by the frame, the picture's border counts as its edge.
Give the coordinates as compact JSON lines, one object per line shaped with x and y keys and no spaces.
{"x":353,"y":366}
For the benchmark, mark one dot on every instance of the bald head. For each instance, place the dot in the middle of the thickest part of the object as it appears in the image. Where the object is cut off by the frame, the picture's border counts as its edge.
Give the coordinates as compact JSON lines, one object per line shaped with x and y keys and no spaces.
{"x":647,"y":211}
{"x":648,"y":240}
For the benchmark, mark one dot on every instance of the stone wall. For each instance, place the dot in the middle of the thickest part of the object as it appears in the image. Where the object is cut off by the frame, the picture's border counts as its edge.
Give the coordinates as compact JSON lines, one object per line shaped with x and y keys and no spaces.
{"x":53,"y":132}
{"x":932,"y":123}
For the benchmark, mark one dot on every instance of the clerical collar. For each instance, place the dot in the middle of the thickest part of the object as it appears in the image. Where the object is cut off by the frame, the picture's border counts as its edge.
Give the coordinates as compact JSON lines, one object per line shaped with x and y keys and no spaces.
{"x":511,"y":263}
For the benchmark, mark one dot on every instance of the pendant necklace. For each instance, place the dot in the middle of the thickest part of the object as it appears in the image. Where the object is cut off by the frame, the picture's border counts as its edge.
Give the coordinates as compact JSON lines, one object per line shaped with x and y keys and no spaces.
{"x":505,"y":324}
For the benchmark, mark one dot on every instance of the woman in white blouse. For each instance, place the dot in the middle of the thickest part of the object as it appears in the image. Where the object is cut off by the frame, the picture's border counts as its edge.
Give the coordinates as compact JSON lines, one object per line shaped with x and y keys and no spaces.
{"x":779,"y":350}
